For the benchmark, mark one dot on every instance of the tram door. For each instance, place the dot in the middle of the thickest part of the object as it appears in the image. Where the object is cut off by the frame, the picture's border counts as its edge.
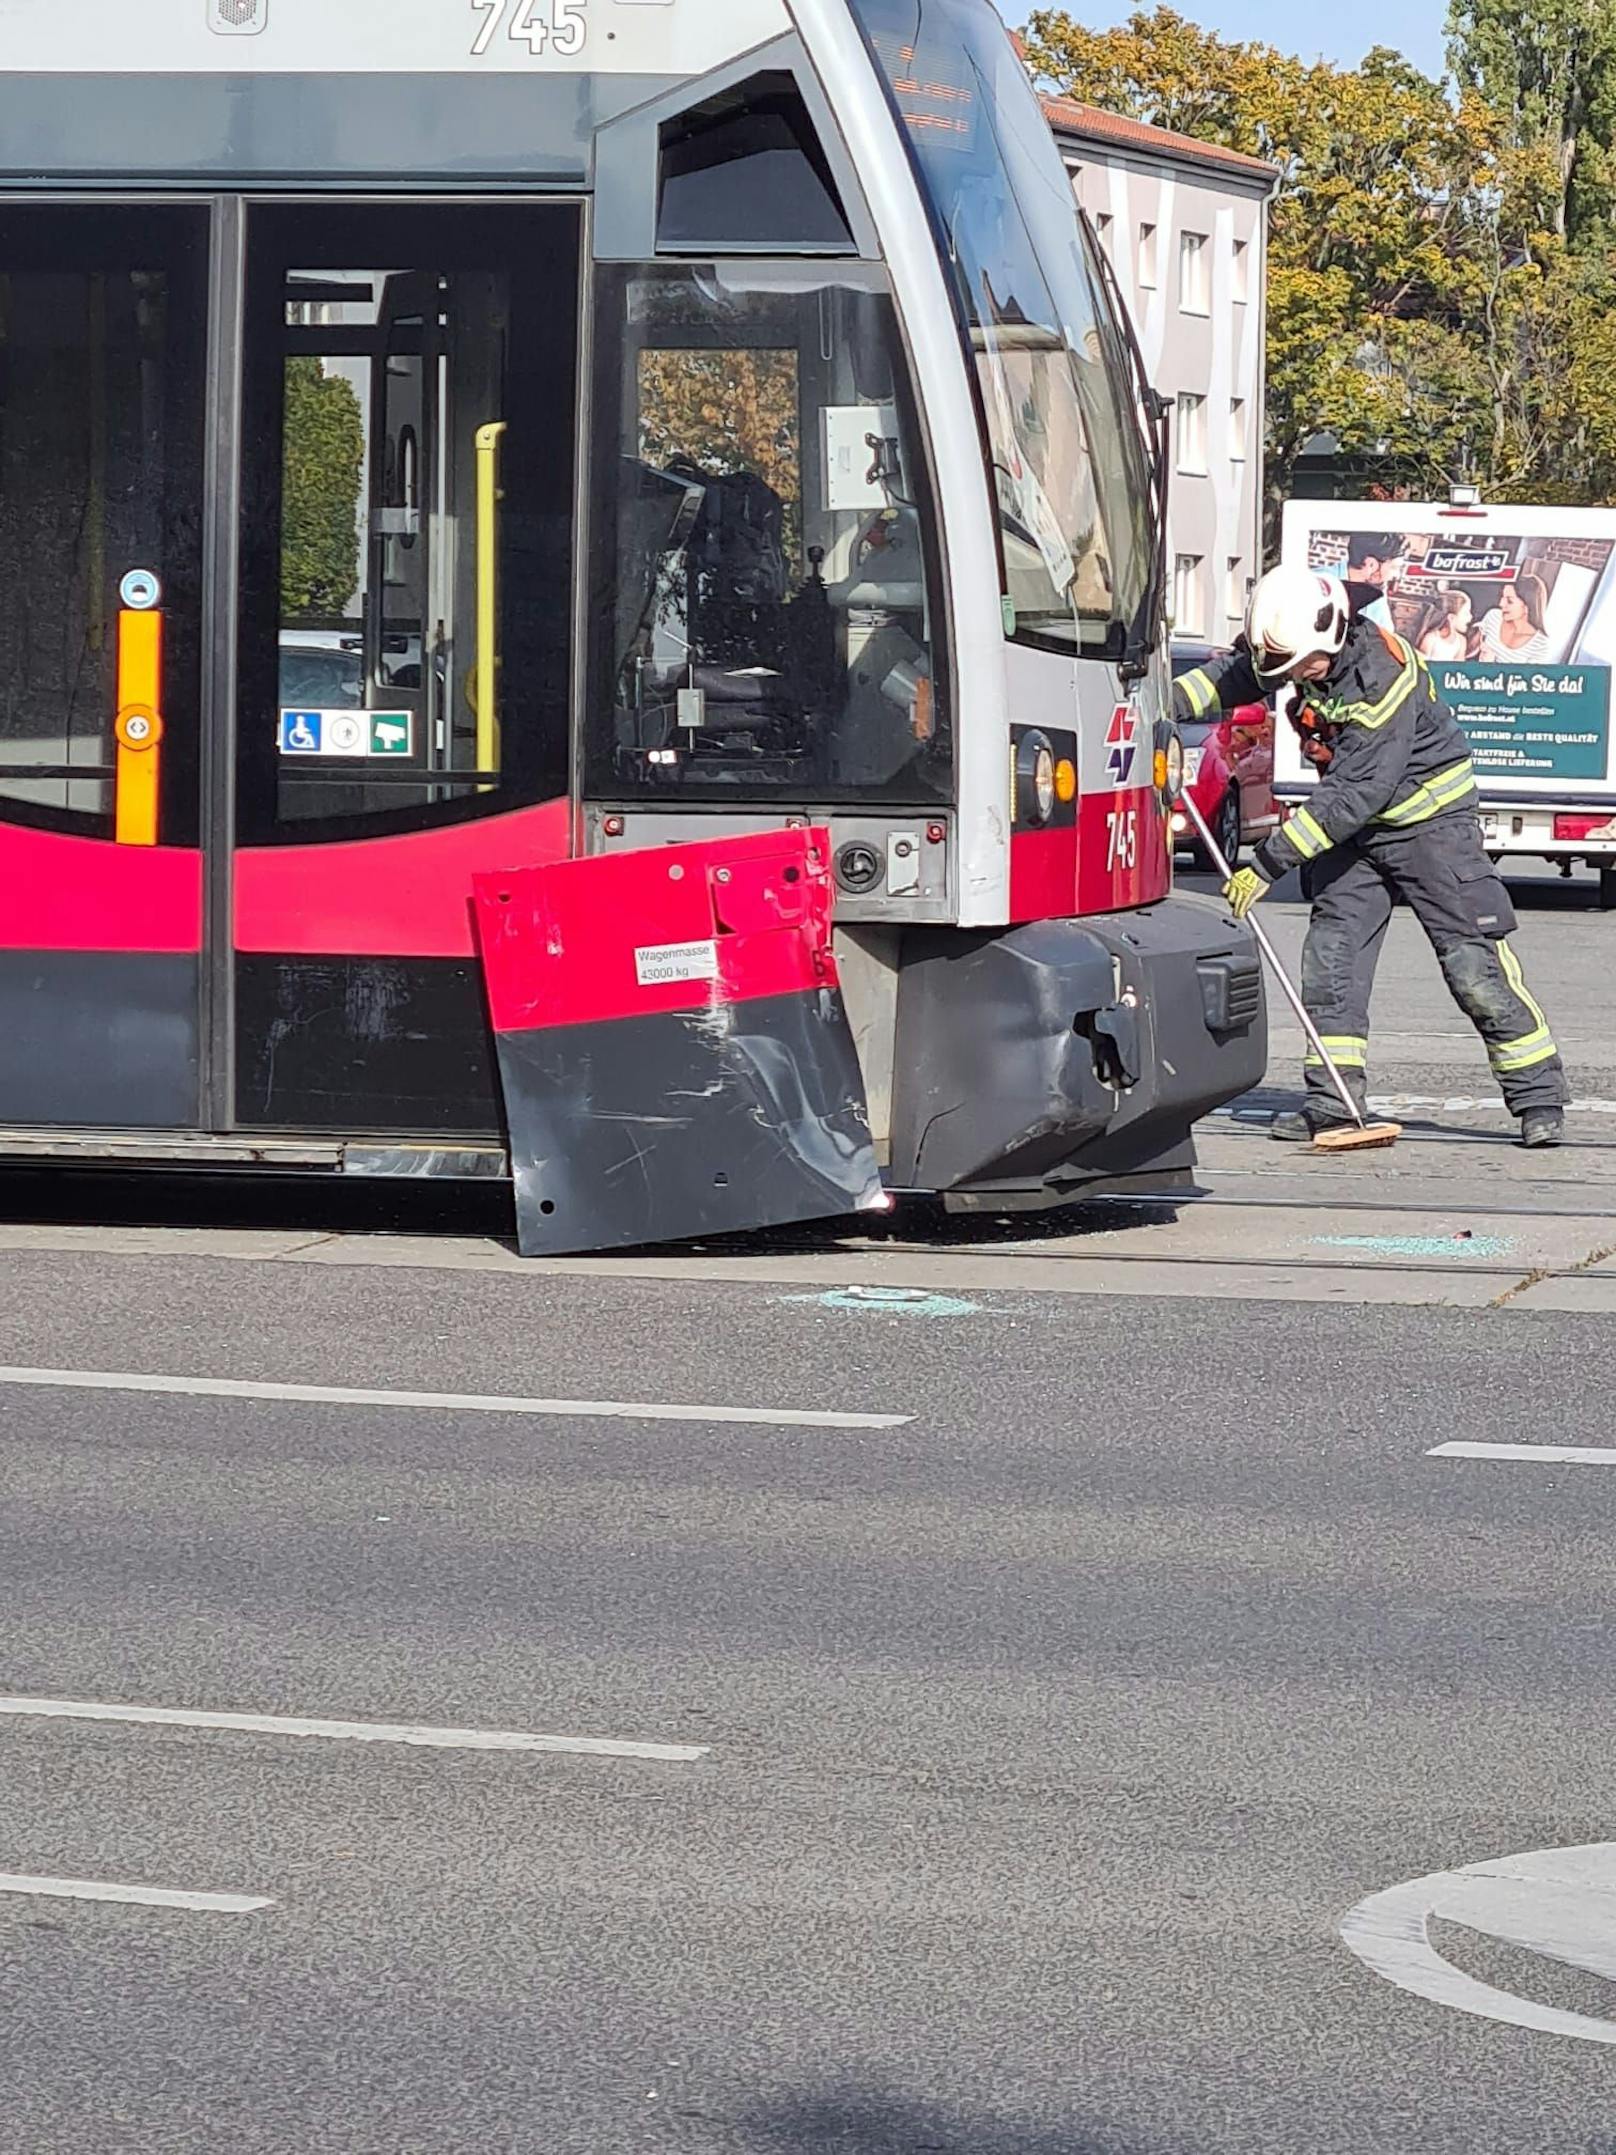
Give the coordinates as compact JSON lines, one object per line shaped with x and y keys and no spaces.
{"x":103,"y":341}
{"x":285,"y":651}
{"x":402,"y":702}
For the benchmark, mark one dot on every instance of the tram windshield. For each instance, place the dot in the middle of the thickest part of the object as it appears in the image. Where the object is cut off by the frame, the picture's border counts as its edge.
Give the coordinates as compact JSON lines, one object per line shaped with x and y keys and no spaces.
{"x":1053,"y":377}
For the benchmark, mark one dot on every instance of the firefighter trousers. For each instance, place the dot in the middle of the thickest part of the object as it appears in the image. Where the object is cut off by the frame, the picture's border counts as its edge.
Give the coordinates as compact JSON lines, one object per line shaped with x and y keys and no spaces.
{"x":1438,"y":868}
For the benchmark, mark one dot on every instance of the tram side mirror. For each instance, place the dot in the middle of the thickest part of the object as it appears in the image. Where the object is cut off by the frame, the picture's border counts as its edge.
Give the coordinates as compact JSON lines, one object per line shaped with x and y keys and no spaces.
{"x":885,"y":469}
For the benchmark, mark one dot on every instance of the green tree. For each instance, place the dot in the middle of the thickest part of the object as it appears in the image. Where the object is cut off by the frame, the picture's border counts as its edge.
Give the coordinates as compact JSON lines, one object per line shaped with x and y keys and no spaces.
{"x":1548,"y":69}
{"x":322,"y":473}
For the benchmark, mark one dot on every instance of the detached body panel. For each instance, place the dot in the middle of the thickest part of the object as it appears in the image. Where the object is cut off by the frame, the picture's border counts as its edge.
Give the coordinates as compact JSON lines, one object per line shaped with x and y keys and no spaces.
{"x":673,"y":1048}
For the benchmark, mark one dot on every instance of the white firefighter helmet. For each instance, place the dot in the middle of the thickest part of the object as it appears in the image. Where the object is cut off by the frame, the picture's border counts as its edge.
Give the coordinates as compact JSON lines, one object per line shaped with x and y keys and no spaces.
{"x":1293,"y":615}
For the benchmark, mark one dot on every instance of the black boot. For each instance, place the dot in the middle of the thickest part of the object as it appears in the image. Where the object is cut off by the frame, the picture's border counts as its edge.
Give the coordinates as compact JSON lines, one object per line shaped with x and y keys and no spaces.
{"x":1300,"y":1126}
{"x":1542,"y":1126}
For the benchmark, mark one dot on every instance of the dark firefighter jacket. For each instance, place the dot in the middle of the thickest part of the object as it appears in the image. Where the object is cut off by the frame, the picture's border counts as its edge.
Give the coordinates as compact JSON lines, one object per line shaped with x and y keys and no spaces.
{"x":1400,"y":754}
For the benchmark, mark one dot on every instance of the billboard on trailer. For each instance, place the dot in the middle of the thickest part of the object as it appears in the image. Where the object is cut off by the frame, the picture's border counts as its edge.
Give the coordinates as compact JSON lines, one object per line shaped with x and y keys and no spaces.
{"x":388,"y":37}
{"x":1514,"y":611}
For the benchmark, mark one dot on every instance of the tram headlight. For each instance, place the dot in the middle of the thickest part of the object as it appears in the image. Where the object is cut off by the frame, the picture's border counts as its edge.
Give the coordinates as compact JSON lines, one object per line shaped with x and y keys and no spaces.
{"x":1169,"y":772}
{"x":1036,"y":783}
{"x":1043,"y":784}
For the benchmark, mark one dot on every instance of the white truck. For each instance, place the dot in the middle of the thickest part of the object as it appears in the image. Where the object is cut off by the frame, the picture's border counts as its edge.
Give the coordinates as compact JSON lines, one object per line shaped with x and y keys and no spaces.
{"x":1514,"y":610}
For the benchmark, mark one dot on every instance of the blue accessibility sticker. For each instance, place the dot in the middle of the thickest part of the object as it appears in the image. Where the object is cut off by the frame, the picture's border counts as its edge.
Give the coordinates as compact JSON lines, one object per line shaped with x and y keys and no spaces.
{"x":302,"y":733}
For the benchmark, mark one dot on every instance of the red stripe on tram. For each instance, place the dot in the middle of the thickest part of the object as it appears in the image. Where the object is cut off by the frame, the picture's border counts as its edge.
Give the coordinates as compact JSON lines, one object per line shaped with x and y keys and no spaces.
{"x":406,"y":896}
{"x":64,"y":893}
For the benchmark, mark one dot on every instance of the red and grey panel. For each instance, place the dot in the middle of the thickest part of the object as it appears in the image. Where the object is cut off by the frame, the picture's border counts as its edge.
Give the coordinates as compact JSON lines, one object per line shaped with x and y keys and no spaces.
{"x":673,"y":1048}
{"x":359,"y":994}
{"x":100,"y":957}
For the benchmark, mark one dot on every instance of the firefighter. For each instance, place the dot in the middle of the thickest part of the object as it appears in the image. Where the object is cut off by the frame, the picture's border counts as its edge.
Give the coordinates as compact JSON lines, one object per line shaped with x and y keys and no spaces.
{"x":1393,"y":816}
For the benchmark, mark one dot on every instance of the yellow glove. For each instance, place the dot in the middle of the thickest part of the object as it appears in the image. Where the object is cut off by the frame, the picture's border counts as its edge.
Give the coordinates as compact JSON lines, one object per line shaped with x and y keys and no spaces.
{"x":1243,"y":890}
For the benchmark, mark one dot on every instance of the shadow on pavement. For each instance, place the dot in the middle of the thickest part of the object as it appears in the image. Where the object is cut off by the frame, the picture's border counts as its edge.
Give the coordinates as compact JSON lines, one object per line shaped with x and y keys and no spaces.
{"x":336,"y":1205}
{"x":873,"y":2124}
{"x":270,"y":1203}
{"x":1553,"y":894}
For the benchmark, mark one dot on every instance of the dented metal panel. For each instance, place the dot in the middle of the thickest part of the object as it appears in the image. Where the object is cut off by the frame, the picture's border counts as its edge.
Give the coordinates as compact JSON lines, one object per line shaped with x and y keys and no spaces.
{"x":674,"y":1052}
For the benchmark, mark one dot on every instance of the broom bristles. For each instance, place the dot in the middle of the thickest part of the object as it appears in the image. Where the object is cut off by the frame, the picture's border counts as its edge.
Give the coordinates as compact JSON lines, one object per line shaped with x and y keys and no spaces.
{"x":1353,"y":1139}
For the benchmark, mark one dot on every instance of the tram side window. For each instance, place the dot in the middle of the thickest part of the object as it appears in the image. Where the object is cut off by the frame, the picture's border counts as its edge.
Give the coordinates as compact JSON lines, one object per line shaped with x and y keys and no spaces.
{"x":100,"y":472}
{"x":763,"y":542}
{"x":746,"y":169}
{"x":387,"y":375}
{"x":1067,"y":453}
{"x":410,"y":420}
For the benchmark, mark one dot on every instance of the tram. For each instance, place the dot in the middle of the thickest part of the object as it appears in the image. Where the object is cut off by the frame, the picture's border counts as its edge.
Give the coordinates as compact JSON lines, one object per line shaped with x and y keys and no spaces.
{"x":442,"y":438}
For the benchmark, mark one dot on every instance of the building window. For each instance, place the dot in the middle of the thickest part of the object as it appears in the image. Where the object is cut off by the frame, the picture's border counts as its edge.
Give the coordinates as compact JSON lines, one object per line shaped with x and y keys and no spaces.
{"x":1237,"y":430}
{"x":1187,"y":595}
{"x":1147,"y":256}
{"x":1235,"y":601}
{"x":1193,"y":293}
{"x":1102,"y":230}
{"x":1191,"y":432}
{"x":1240,"y":281}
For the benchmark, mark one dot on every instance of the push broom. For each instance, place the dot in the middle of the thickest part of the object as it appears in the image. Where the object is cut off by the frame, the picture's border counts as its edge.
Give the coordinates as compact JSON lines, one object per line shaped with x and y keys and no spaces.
{"x":1358,"y":1136}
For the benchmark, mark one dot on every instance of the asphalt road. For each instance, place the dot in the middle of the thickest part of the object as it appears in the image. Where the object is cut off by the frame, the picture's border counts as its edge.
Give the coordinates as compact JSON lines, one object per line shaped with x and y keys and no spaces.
{"x":1048,"y":1734}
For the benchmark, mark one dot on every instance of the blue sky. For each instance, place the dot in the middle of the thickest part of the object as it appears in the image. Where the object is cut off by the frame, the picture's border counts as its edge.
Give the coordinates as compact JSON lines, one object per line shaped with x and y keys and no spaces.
{"x":1343,"y":34}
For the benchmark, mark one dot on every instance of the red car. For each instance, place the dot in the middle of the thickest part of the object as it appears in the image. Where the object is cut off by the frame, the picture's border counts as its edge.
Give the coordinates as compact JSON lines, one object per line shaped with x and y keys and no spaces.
{"x":1228,"y":766}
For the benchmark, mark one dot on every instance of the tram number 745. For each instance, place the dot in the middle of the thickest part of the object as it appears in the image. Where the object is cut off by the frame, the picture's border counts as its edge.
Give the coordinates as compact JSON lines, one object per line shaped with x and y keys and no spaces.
{"x":559,"y":26}
{"x":1121,"y":839}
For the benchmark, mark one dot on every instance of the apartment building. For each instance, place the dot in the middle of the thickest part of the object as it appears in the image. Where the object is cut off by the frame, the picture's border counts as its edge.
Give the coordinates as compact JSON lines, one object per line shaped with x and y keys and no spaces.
{"x":1185,"y":225}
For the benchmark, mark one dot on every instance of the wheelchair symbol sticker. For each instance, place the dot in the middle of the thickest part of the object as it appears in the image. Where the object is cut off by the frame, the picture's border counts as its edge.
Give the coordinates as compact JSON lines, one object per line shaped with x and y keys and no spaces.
{"x":302,"y":733}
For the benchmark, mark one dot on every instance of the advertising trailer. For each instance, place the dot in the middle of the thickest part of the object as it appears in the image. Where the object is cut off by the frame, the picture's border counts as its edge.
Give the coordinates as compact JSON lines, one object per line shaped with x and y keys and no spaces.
{"x":1514,"y":611}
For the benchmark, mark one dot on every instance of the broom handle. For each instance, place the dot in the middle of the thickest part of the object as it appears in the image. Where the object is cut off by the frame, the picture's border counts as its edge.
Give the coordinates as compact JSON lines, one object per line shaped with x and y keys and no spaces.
{"x":1215,"y":854}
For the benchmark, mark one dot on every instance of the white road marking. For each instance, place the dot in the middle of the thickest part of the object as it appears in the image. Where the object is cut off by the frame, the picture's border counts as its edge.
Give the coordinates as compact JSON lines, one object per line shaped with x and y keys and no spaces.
{"x":1559,"y":1902}
{"x":443,"y":1739}
{"x":88,"y":1889}
{"x":340,"y":1395}
{"x":1567,"y":1455}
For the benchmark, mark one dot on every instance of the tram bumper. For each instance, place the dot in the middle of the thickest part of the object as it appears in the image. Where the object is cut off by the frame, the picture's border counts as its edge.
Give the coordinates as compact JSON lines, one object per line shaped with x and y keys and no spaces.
{"x":1043,"y":1062}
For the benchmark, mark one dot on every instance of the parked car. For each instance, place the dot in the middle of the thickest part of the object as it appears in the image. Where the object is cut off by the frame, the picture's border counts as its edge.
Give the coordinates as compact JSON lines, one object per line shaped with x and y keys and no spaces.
{"x":321,"y":673}
{"x":1228,"y":767}
{"x":324,"y":670}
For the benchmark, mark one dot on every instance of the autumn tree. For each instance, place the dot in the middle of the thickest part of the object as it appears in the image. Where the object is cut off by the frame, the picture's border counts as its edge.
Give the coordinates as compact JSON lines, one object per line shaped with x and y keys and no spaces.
{"x":1547,"y":68}
{"x":1427,"y":303}
{"x":323,"y":468}
{"x":726,"y":411}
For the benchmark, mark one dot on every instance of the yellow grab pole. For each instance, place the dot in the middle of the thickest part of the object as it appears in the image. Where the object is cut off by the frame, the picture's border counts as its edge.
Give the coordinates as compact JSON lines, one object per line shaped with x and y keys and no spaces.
{"x":489,"y":438}
{"x":139,"y":728}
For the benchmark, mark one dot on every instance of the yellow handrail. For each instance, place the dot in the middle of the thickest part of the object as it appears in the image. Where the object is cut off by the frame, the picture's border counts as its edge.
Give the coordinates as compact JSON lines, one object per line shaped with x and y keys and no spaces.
{"x":488,"y":501}
{"x":139,"y":728}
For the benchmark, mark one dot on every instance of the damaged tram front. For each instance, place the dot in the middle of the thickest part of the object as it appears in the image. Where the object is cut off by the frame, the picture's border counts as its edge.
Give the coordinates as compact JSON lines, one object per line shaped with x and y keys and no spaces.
{"x":583,"y":594}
